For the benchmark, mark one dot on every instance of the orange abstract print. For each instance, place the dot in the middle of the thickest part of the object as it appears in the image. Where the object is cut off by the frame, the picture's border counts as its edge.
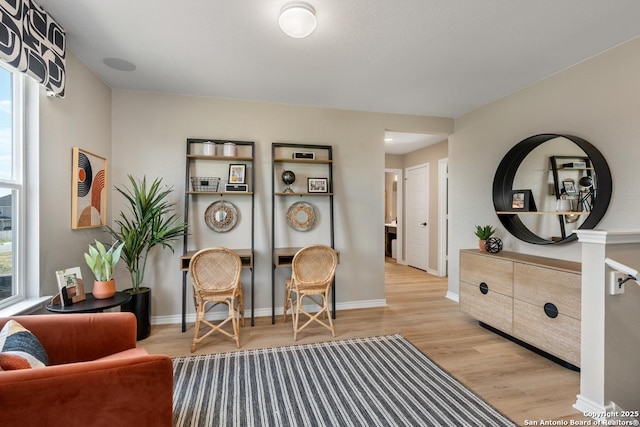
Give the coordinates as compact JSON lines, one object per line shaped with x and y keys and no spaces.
{"x":89,"y":190}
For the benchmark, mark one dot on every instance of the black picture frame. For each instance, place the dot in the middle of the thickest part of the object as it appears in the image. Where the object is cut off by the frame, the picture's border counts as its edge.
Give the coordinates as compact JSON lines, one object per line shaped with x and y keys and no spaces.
{"x":522,"y":201}
{"x":317,"y":185}
{"x":237,"y":173}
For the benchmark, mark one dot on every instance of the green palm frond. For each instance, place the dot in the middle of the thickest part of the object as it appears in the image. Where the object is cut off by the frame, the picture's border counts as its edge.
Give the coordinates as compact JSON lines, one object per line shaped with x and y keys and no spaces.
{"x":148,"y":221}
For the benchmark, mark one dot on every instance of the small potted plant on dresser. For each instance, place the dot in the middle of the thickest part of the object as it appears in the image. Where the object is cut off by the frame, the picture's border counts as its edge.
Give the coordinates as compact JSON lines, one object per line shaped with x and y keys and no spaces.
{"x":148,"y":222}
{"x":483,"y":234}
{"x":102,"y":263}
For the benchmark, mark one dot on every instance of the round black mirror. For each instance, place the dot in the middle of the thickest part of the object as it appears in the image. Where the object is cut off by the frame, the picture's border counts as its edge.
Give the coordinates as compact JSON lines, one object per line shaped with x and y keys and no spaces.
{"x":574,"y":188}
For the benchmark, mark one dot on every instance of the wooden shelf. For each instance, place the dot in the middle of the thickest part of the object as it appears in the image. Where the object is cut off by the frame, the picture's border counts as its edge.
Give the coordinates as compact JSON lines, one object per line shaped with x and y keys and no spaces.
{"x":228,"y":158}
{"x":246,"y":256}
{"x":222,"y":193}
{"x":303,"y":194}
{"x":313,"y":161}
{"x":542,"y":213}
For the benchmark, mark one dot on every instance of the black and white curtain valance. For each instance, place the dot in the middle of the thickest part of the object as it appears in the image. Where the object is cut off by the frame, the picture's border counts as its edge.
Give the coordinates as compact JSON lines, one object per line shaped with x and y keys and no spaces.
{"x":33,"y":43}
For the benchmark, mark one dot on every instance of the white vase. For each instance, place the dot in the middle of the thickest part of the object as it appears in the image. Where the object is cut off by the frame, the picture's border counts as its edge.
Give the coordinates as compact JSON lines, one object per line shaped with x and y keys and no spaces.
{"x":230,"y":149}
{"x":208,"y":148}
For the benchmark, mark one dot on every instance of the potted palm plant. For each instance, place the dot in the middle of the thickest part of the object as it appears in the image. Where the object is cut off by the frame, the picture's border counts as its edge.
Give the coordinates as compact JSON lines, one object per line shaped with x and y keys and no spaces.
{"x":483,"y":233}
{"x":102,"y":263}
{"x":148,"y":222}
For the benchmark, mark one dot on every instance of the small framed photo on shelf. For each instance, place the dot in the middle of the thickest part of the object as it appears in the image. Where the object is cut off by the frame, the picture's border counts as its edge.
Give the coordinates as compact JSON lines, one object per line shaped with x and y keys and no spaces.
{"x":237,"y":174}
{"x":522,"y":200}
{"x":70,"y":286}
{"x":569,"y":187}
{"x":317,"y":185}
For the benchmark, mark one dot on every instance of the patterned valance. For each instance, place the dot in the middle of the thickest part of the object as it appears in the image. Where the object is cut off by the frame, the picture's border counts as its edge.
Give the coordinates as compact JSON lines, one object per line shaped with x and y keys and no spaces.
{"x":33,"y":43}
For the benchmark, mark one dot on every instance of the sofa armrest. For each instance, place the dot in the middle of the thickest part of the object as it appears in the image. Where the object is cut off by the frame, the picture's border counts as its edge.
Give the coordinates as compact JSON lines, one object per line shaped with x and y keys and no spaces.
{"x":69,"y":338}
{"x":135,"y":391}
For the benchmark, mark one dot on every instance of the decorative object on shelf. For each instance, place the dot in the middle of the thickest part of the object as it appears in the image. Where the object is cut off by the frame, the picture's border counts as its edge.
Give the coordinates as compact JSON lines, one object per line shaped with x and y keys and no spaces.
{"x":89,"y":196}
{"x":522,"y":200}
{"x":237,"y":174}
{"x":569,"y":187}
{"x":483,"y":233}
{"x":288,"y":177}
{"x":317,"y":185}
{"x":205,"y":183}
{"x":493,"y":245}
{"x":236,"y":188}
{"x":303,"y":155}
{"x":563,"y":204}
{"x":575,"y":165}
{"x":230,"y":149}
{"x":301,"y":216}
{"x":150,"y":220}
{"x":102,"y":263}
{"x":70,"y":286}
{"x":221,"y":216}
{"x":209,"y":148}
{"x":587,"y":194}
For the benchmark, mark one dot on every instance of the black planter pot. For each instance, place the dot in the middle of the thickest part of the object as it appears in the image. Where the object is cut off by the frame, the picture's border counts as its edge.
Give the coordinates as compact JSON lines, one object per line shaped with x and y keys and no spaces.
{"x":140,"y":306}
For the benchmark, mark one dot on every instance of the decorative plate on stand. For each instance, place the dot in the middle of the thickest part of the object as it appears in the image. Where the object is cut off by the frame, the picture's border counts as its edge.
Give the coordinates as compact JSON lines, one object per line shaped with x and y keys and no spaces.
{"x":221,"y":216}
{"x":301,"y":216}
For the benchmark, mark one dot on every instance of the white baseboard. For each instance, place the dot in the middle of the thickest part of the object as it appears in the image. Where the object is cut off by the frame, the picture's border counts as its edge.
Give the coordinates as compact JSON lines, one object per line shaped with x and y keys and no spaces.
{"x":265,"y":312}
{"x":591,"y":409}
{"x":453,"y":297}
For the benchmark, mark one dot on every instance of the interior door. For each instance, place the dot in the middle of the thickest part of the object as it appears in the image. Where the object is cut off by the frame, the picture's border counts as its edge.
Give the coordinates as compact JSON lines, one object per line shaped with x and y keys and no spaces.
{"x":417,"y":225}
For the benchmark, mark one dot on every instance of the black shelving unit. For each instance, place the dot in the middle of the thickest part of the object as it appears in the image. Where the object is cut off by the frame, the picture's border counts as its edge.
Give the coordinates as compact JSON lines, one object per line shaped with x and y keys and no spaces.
{"x":282,"y":154}
{"x":193,"y":158}
{"x":558,"y":164}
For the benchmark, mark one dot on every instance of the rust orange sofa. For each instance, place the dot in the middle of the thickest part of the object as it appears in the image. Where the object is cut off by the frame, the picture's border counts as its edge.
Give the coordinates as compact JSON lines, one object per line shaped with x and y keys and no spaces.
{"x":96,"y":376}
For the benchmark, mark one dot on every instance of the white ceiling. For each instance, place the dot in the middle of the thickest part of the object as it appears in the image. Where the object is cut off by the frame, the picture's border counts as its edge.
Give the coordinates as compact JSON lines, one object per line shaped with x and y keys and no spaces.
{"x":426,"y":57}
{"x":404,"y":142}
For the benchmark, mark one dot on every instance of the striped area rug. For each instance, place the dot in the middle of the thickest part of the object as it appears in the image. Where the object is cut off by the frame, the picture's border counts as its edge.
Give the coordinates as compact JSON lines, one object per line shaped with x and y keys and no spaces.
{"x":377,"y":381}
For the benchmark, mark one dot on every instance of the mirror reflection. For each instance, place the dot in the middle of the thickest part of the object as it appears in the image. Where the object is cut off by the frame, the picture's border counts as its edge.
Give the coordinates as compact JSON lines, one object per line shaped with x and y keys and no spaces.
{"x":390,"y":197}
{"x":561,"y":179}
{"x":220,"y":216}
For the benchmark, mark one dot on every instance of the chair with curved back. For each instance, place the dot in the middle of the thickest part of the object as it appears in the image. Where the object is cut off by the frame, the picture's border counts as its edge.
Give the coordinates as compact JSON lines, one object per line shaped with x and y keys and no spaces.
{"x":215,"y":275}
{"x":312,"y":272}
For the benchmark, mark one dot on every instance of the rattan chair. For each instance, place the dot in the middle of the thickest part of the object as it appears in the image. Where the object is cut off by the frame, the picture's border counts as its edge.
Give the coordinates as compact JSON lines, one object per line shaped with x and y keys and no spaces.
{"x":215,"y":275}
{"x":312,"y":272}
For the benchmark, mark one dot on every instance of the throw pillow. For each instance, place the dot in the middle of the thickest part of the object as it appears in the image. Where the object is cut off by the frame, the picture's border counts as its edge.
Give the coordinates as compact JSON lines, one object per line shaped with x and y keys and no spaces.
{"x":20,"y":349}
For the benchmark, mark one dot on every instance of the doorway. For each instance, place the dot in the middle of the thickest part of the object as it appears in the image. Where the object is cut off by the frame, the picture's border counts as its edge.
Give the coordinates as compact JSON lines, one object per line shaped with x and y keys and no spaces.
{"x":393,"y":219}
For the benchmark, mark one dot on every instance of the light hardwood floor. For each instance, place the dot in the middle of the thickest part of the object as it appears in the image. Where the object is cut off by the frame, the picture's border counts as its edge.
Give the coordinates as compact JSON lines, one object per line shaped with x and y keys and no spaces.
{"x":516,"y":381}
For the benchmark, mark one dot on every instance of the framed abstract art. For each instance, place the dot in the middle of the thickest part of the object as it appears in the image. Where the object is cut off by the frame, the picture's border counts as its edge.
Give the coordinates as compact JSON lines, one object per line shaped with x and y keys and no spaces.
{"x":89,"y":195}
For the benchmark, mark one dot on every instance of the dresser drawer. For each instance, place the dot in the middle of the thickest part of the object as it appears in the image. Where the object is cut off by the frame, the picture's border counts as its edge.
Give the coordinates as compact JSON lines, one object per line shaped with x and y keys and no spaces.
{"x":491,"y":308}
{"x":497,"y":273}
{"x":559,"y":336}
{"x":538,"y":286}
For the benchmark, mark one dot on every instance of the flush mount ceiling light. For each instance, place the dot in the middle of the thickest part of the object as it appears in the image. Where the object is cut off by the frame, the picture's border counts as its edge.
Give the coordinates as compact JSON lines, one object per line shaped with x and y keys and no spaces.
{"x":298,"y":19}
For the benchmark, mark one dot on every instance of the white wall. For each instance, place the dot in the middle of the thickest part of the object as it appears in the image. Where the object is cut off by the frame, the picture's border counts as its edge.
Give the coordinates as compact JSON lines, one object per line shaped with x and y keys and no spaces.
{"x":597,"y":100}
{"x":149,"y":133}
{"x":81,"y":119}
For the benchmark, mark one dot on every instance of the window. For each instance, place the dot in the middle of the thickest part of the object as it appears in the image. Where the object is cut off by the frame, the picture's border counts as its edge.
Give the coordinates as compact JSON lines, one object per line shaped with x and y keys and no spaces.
{"x":11,"y":187}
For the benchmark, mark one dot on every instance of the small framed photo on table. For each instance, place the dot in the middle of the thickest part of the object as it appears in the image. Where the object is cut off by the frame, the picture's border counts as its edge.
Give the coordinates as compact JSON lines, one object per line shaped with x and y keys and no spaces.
{"x":237,"y":174}
{"x":522,"y":200}
{"x":317,"y":185}
{"x":70,"y":286}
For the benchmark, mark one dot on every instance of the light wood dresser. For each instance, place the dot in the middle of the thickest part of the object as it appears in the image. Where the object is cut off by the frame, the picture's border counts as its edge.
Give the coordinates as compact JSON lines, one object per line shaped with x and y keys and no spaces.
{"x":533,"y":299}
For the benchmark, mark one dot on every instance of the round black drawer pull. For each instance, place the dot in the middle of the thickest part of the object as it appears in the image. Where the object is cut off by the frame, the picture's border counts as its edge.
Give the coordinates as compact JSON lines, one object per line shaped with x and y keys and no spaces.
{"x":551,"y":310}
{"x":484,"y":288}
